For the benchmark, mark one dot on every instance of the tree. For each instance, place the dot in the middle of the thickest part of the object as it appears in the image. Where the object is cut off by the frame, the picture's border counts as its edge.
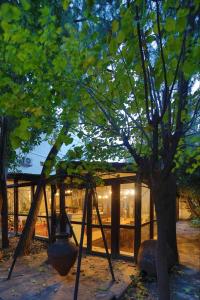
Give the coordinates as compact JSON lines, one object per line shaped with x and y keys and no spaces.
{"x":136,"y":86}
{"x":31,"y":97}
{"x":131,"y":83}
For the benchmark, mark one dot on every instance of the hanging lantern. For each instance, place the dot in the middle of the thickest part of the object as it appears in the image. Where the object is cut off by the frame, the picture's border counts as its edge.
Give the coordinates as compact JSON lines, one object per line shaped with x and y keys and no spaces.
{"x":62,"y":254}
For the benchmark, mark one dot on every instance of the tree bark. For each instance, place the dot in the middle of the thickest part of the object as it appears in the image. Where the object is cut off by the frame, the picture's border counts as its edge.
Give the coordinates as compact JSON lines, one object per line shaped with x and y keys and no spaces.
{"x":161,"y":258}
{"x":23,"y":246}
{"x":3,"y":188}
{"x":4,"y":214}
{"x":161,"y":252}
{"x":170,"y":196}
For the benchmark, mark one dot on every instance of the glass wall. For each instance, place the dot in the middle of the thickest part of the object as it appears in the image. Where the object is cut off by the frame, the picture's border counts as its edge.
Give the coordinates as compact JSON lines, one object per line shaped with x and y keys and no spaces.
{"x":104,"y":204}
{"x":104,"y":194}
{"x":127,"y":241}
{"x":74,"y":201}
{"x":24,"y":203}
{"x":127,"y":218}
{"x":127,"y":203}
{"x":10,"y":194}
{"x":123,"y":206}
{"x":145,"y":213}
{"x":41,"y":228}
{"x":97,"y":240}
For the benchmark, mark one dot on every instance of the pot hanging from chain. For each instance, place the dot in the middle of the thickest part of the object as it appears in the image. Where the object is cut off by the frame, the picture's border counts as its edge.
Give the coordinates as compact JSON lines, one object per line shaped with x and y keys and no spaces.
{"x":62,"y":254}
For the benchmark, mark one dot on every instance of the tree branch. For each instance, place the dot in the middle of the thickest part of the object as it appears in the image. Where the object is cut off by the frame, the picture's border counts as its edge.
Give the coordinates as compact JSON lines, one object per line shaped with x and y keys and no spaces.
{"x":143,"y":65}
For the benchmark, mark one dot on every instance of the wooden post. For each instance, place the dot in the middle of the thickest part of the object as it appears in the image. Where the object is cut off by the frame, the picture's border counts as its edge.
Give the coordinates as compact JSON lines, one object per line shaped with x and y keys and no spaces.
{"x":62,"y":209}
{"x":137,"y":241}
{"x":16,"y":207}
{"x":115,"y":220}
{"x":89,"y":223}
{"x":53,"y":213}
{"x":3,"y":184}
{"x":4,"y":221}
{"x":151,"y":216}
{"x":32,"y":196}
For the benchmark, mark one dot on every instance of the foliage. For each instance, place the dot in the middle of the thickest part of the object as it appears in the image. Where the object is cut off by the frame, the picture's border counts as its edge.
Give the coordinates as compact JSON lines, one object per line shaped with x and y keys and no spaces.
{"x":195,"y":221}
{"x":136,"y":289}
{"x":31,"y":63}
{"x":136,"y":82}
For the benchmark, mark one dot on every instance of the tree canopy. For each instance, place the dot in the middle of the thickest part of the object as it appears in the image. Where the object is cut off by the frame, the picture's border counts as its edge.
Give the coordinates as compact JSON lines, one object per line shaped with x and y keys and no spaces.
{"x":123,"y":75}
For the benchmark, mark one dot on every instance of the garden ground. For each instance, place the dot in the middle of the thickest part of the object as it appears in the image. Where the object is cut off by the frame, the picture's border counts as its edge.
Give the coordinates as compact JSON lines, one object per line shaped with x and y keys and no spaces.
{"x":185,"y":278}
{"x":34,"y":279}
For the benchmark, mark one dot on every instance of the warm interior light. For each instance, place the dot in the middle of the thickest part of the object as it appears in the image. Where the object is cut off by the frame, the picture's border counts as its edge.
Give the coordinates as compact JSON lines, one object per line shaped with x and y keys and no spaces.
{"x":69,"y":191}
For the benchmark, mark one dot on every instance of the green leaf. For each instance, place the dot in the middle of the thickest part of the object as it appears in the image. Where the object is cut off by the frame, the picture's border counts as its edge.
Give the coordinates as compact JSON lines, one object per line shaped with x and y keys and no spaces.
{"x":170,"y":25}
{"x":120,"y":37}
{"x":26,"y":5}
{"x":115,"y":26}
{"x":113,"y":46}
{"x":89,"y":61}
{"x":65,"y":4}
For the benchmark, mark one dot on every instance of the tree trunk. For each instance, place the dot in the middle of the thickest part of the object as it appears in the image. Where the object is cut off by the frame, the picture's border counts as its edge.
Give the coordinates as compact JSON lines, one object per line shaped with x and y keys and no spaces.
{"x":170,"y":196}
{"x":23,"y":246}
{"x":3,"y":188}
{"x":161,"y":205}
{"x":4,"y":214}
{"x":161,"y":257}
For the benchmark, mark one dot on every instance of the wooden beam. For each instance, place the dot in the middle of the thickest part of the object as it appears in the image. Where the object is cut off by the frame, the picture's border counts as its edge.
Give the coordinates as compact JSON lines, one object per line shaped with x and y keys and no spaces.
{"x":137,"y":240}
{"x":151,"y":216}
{"x":53,"y":213}
{"x":115,"y":220}
{"x":62,"y":209}
{"x":89,"y":223}
{"x":16,"y":207}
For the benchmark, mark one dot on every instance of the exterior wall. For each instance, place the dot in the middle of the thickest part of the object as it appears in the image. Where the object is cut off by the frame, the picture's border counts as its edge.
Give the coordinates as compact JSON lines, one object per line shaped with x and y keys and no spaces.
{"x":32,"y":162}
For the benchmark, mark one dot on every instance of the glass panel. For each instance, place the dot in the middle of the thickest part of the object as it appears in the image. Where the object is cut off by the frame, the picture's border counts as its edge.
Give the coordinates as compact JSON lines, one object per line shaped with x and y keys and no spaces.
{"x":145,"y":232}
{"x":21,"y":223}
{"x":77,"y":232}
{"x":10,"y":193}
{"x":41,"y":228}
{"x":145,"y":214}
{"x":127,"y":241}
{"x":42,"y":211}
{"x":9,"y":182}
{"x":97,"y":241}
{"x":74,"y":203}
{"x":127,"y":203}
{"x":24,"y":199}
{"x":57,"y":201}
{"x":11,"y":223}
{"x":104,"y":204}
